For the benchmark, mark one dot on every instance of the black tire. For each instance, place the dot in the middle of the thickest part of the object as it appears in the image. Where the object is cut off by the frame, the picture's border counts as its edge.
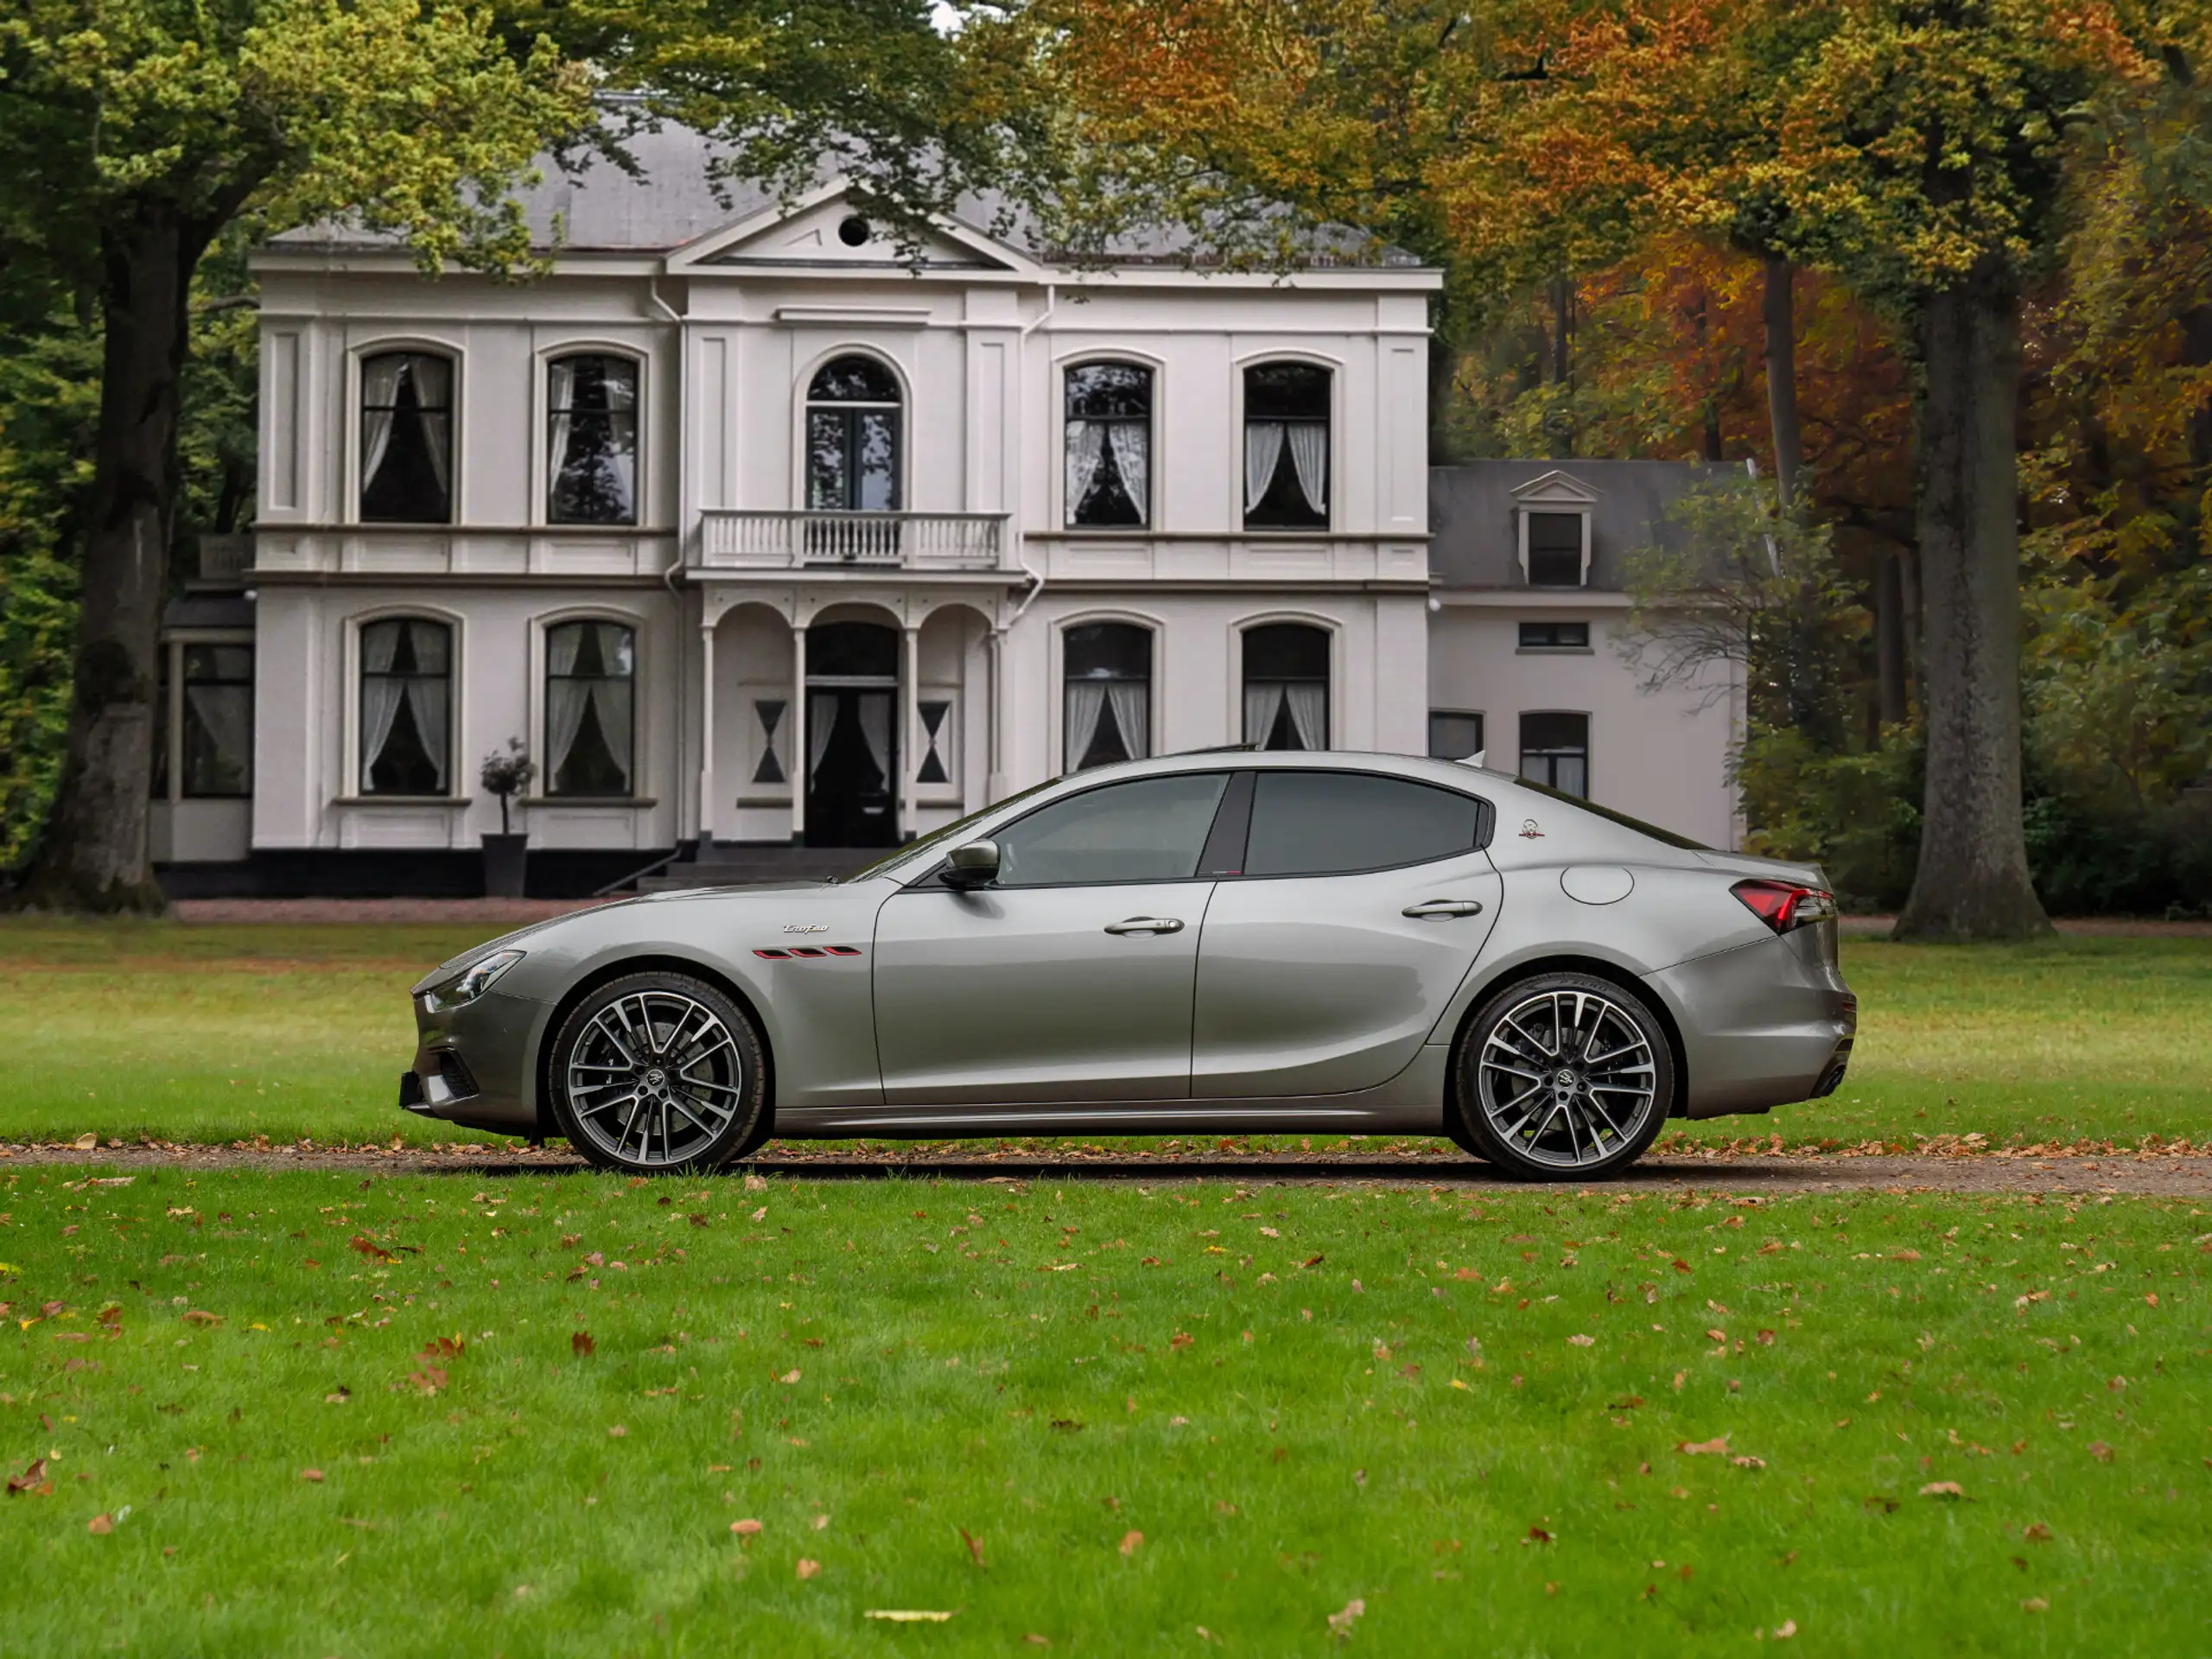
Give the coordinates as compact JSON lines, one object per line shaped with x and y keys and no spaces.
{"x":1572,"y":1121}
{"x":659,"y":1073}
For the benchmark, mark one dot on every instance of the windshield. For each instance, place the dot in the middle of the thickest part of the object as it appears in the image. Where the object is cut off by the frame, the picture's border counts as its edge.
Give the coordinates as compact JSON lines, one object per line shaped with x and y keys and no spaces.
{"x":951,"y":836}
{"x":1666,"y":837}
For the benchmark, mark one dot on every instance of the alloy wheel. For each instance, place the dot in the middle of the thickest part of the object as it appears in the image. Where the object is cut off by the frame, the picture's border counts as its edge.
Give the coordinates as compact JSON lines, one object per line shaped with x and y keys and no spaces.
{"x":1568,"y":1079}
{"x":654,"y":1078}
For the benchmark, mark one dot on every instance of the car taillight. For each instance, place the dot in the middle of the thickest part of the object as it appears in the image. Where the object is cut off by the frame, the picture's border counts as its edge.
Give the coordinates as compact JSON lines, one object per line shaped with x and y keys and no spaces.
{"x":1784,"y":904}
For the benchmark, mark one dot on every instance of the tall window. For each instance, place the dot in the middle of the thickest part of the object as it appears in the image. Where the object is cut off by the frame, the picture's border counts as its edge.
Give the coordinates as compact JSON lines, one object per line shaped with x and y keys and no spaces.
{"x":1555,"y":752}
{"x":406,"y":682}
{"x":590,"y":668}
{"x":1109,"y":699}
{"x":1287,"y":686}
{"x":1286,"y":446}
{"x":592,"y":441}
{"x":217,"y":721}
{"x":1555,"y":549}
{"x":407,"y":438}
{"x":1109,"y":444}
{"x":852,"y":437}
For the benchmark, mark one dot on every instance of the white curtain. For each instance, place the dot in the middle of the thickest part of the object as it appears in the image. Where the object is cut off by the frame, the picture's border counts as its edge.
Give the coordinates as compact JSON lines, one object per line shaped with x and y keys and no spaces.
{"x":821,"y":715}
{"x":622,"y":433}
{"x":560,"y":387}
{"x":380,"y":693}
{"x":1309,"y":714}
{"x":1309,"y":454}
{"x":875,"y":732}
{"x":434,"y":385}
{"x":1086,"y":445}
{"x":1132,"y":442}
{"x":1086,"y":702}
{"x":610,"y":698}
{"x":379,"y":390}
{"x":564,"y":698}
{"x":225,"y":712}
{"x":426,"y":698}
{"x":1261,"y":699}
{"x":1263,"y":448}
{"x":1131,"y":702}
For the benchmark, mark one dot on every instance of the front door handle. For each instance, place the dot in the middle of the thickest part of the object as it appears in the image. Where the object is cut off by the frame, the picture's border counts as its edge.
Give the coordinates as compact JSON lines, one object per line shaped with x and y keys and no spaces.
{"x":1442,"y":909}
{"x":1146,"y":925}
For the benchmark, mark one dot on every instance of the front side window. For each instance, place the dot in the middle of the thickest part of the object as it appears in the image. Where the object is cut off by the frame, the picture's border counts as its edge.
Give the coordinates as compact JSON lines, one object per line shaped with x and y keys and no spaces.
{"x":1109,"y":444}
{"x":406,"y":680}
{"x":1286,"y":446}
{"x":1555,"y":549}
{"x":217,"y":721}
{"x":1452,"y":735}
{"x":852,"y":437}
{"x":407,"y":438}
{"x":1108,"y":692}
{"x":592,"y":440}
{"x":590,"y":670}
{"x":1555,"y":752}
{"x":1338,"y":822}
{"x":1287,"y":686}
{"x":1149,"y":830}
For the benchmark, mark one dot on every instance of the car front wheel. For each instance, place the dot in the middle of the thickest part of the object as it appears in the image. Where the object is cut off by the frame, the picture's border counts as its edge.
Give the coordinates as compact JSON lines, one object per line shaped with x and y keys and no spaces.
{"x":659,"y":1071}
{"x":1563,"y":1076}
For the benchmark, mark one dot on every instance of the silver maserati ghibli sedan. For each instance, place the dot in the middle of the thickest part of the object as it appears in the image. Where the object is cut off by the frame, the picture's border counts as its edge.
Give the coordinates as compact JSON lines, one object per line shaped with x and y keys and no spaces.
{"x":1221,"y":941}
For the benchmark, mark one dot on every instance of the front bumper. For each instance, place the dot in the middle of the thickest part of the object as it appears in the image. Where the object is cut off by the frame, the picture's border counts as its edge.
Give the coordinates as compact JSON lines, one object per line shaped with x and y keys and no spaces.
{"x":472,"y":1064}
{"x":1762,"y":1025}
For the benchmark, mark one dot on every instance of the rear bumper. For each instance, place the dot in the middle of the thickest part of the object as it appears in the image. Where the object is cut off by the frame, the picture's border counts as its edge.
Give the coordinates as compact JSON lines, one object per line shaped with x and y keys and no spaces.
{"x":472,"y":1066}
{"x":1762,"y":1025}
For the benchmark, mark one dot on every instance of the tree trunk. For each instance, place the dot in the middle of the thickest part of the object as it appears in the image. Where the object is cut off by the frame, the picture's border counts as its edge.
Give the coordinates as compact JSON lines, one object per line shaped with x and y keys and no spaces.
{"x":1973,"y":881}
{"x":1778,"y":305}
{"x":92,"y":854}
{"x":1888,"y":640}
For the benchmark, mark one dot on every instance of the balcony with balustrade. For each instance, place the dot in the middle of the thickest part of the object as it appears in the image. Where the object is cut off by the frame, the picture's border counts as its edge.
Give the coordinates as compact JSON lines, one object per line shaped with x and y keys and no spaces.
{"x":744,"y":539}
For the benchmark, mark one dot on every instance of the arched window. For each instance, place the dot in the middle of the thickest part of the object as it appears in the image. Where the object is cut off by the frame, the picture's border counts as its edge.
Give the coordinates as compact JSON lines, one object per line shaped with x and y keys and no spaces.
{"x":1286,"y":446}
{"x":1108,"y":676}
{"x":1287,"y":686}
{"x":591,"y":439}
{"x":590,"y":671}
{"x":1109,"y":444}
{"x":852,"y":437}
{"x":406,"y":705}
{"x":407,"y":438}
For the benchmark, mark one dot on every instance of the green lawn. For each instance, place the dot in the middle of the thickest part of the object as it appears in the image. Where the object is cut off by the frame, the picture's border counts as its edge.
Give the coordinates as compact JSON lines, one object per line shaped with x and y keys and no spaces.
{"x":202,"y":1033}
{"x":1101,"y":1415}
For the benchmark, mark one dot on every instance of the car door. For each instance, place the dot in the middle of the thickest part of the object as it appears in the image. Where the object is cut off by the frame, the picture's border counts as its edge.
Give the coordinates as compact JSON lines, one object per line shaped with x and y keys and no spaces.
{"x":1068,"y":979}
{"x":1363,"y":900}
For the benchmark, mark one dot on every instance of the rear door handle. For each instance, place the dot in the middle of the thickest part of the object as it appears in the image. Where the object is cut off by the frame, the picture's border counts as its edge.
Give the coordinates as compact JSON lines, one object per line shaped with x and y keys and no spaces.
{"x":1443,"y":910}
{"x":1146,"y":925}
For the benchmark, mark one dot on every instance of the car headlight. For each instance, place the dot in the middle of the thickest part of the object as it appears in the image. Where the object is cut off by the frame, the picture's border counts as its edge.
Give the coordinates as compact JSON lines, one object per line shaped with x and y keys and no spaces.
{"x":471,"y":985}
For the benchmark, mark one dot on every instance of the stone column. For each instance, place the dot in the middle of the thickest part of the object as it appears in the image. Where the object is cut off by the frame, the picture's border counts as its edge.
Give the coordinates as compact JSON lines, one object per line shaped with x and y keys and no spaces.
{"x":706,"y":731}
{"x":799,"y":770}
{"x":910,"y":722}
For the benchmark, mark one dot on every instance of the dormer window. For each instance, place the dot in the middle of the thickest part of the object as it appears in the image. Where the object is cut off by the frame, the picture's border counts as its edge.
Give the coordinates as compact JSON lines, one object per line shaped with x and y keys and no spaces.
{"x":1551,"y":529}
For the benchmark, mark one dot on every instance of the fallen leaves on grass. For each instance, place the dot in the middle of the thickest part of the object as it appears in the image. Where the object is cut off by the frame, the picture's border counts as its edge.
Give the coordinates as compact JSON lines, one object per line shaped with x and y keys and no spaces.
{"x":618,"y":1433}
{"x":1537,"y":1535}
{"x":315,"y":1475}
{"x":1942,"y":1489}
{"x":102,"y":1524}
{"x":430,"y":1379}
{"x":2037,"y":1533}
{"x":1132,"y":1542}
{"x":911,"y":1615}
{"x":1716,"y":1446}
{"x":1343,"y":1618}
{"x":581,"y":1345}
{"x":2035,"y":1604}
{"x":201,"y":1316}
{"x":808,"y":1569}
{"x":32,"y":1480}
{"x":1583,"y":1342}
{"x":2101,"y":1451}
{"x":975,"y":1547}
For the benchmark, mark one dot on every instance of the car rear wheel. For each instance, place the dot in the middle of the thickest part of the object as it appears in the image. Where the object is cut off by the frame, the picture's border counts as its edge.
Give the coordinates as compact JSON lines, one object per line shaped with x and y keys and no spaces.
{"x":659,"y":1072}
{"x":1563,"y":1076}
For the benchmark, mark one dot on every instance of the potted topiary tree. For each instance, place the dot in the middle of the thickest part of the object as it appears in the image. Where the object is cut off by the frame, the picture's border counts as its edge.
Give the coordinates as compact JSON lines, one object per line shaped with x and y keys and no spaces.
{"x":506,"y":855}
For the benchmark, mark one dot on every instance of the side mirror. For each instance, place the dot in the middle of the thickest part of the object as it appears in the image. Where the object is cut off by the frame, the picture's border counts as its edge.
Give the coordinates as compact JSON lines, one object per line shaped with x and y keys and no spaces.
{"x":973,"y":865}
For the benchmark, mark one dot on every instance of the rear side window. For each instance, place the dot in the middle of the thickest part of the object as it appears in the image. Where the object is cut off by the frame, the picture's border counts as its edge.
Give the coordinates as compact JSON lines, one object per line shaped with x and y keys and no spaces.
{"x":1147,"y":829}
{"x":1336,"y":822}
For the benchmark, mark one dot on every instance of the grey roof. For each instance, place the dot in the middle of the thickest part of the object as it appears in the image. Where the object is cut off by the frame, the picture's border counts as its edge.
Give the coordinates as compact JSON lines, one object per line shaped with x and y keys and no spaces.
{"x":676,"y":199}
{"x":1474,"y":542}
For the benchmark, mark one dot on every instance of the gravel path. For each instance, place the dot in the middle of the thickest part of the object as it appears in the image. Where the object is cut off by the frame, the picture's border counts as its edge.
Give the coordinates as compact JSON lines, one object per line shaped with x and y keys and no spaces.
{"x":2119,"y":1174}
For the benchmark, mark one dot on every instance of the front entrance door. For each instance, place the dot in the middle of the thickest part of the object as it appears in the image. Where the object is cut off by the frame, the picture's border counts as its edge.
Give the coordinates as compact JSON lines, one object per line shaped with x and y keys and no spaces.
{"x":853,"y":744}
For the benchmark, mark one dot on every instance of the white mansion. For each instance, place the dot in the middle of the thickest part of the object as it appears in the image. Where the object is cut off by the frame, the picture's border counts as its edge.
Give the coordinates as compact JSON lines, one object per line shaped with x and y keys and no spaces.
{"x":755,"y":531}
